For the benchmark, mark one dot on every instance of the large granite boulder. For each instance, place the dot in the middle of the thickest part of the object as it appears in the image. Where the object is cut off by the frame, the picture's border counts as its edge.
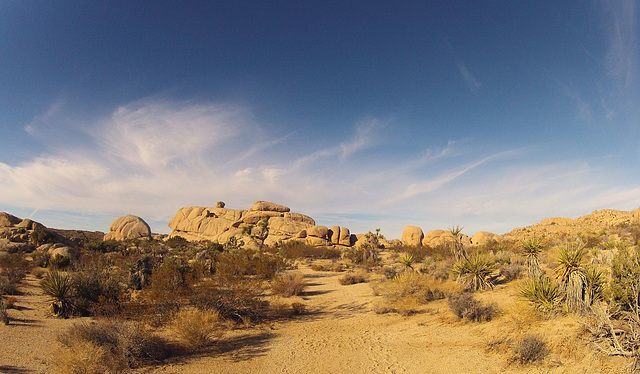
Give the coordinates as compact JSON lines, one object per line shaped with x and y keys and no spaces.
{"x":8,"y":220}
{"x":128,"y":227}
{"x":412,"y":235}
{"x":218,"y":224}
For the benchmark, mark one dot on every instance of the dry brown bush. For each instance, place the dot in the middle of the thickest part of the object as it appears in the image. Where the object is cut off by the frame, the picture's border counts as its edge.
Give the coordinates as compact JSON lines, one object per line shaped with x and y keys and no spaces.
{"x":407,"y":291}
{"x":352,"y":278}
{"x":107,"y":347}
{"x":197,"y":328}
{"x":467,"y":307}
{"x":289,"y":284}
{"x":529,"y":349}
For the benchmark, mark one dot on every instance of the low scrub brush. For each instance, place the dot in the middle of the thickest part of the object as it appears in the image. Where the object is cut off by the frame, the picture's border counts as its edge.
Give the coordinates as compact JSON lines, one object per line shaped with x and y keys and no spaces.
{"x":289,"y":284}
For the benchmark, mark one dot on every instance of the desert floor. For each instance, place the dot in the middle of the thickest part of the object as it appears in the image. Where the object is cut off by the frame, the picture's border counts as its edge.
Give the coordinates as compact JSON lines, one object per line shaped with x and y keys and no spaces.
{"x":339,"y":334}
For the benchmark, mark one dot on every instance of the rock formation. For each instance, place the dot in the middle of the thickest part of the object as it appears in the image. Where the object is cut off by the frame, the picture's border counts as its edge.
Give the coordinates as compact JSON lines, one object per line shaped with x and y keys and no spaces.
{"x":219,"y":223}
{"x":128,"y":227}
{"x":412,"y":235}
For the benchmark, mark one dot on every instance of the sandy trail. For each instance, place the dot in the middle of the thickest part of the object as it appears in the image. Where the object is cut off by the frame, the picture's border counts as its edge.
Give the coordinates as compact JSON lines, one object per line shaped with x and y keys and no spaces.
{"x":343,"y":335}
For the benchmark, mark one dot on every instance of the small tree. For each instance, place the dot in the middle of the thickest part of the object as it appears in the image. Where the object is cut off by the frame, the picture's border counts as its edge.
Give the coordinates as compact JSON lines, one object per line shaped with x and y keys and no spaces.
{"x":259,"y":232}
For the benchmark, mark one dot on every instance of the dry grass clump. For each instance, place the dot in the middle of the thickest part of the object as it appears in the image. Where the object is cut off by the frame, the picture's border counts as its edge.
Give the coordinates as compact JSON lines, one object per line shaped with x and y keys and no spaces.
{"x":282,"y":309}
{"x":335,"y":266}
{"x":467,"y":307}
{"x":107,"y":347}
{"x":530,"y":349}
{"x":289,"y":284}
{"x":197,"y":328}
{"x":352,"y":278}
{"x":406,"y":292}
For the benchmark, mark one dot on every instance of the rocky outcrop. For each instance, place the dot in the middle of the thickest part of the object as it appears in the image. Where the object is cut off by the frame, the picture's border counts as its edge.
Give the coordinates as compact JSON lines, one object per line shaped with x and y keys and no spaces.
{"x":412,"y":235}
{"x":219,"y":223}
{"x":484,"y":238}
{"x":128,"y":227}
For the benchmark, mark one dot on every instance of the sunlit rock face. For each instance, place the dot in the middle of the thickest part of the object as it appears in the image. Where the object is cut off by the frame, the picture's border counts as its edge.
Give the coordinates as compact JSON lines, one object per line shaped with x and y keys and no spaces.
{"x":218,"y":224}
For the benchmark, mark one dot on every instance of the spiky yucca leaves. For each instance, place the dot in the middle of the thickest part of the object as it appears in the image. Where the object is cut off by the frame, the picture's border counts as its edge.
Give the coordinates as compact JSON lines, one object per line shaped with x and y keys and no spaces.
{"x":457,"y":247}
{"x":473,"y":272}
{"x":541,"y":292}
{"x":406,"y":260}
{"x":60,"y":288}
{"x":531,"y":247}
{"x":570,"y":272}
{"x":595,"y":283}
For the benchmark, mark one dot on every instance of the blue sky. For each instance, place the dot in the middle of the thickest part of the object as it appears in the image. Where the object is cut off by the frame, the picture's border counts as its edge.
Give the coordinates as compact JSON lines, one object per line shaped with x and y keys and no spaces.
{"x":366,"y":114}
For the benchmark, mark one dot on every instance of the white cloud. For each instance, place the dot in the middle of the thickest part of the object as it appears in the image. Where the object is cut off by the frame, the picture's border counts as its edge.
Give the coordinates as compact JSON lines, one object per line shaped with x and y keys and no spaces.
{"x":151,"y":158}
{"x":469,"y":79}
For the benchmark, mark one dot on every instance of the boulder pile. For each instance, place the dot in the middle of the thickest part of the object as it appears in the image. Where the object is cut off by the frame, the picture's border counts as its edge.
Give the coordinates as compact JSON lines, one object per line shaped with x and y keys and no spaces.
{"x":219,"y":224}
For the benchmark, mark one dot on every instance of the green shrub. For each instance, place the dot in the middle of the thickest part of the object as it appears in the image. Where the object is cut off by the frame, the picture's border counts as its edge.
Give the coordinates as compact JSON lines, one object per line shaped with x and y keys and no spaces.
{"x":625,"y":279}
{"x":93,"y":284}
{"x":542,"y":292}
{"x":40,"y":235}
{"x":474,"y":272}
{"x":59,"y":287}
{"x":60,"y":262}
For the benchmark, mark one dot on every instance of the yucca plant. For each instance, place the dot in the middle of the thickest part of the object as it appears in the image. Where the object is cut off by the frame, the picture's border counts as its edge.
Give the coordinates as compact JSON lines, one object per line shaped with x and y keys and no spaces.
{"x":474,"y":272}
{"x":406,"y":260}
{"x":570,"y":272}
{"x":457,"y":247}
{"x":531,"y":247}
{"x":595,"y":282}
{"x":542,"y":292}
{"x":60,"y":288}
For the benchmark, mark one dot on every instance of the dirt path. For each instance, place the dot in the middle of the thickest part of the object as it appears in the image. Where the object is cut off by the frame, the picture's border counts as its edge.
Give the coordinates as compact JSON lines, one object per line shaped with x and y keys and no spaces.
{"x":343,"y":335}
{"x":26,"y":342}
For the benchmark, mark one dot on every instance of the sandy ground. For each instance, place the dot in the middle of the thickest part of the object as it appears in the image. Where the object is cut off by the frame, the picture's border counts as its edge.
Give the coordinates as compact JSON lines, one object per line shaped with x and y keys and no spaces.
{"x":340,"y":334}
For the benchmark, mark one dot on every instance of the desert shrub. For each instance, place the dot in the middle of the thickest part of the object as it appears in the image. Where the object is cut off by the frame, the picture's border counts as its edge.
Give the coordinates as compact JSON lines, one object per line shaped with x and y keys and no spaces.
{"x":298,"y":308}
{"x":366,"y":255}
{"x":8,"y":288}
{"x":41,"y":258}
{"x":40,"y":235}
{"x":94,"y":284}
{"x":407,"y":291}
{"x":104,"y":246}
{"x":296,"y":250}
{"x":171,"y":284}
{"x":263,"y":264}
{"x":14,"y":267}
{"x":625,"y":280}
{"x":177,"y":242}
{"x":59,"y":287}
{"x":197,"y":328}
{"x":595,"y":283}
{"x":474,"y":272}
{"x":542,"y":292}
{"x":389,"y":272}
{"x":417,"y":252}
{"x":107,"y":347}
{"x":288,"y":284}
{"x":334,"y":266}
{"x":4,"y":315}
{"x":59,"y":262}
{"x":352,"y":278}
{"x":467,"y":307}
{"x":233,"y":297}
{"x":511,"y":272}
{"x":529,"y":349}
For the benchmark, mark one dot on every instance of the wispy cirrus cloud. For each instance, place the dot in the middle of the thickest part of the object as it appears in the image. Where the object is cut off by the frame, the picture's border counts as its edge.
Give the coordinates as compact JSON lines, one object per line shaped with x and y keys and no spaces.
{"x":469,"y":78}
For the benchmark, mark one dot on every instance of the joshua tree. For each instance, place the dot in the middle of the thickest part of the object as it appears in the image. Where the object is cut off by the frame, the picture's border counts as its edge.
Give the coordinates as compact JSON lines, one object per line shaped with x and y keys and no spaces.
{"x":259,"y":232}
{"x":457,"y":247}
{"x":531,"y":247}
